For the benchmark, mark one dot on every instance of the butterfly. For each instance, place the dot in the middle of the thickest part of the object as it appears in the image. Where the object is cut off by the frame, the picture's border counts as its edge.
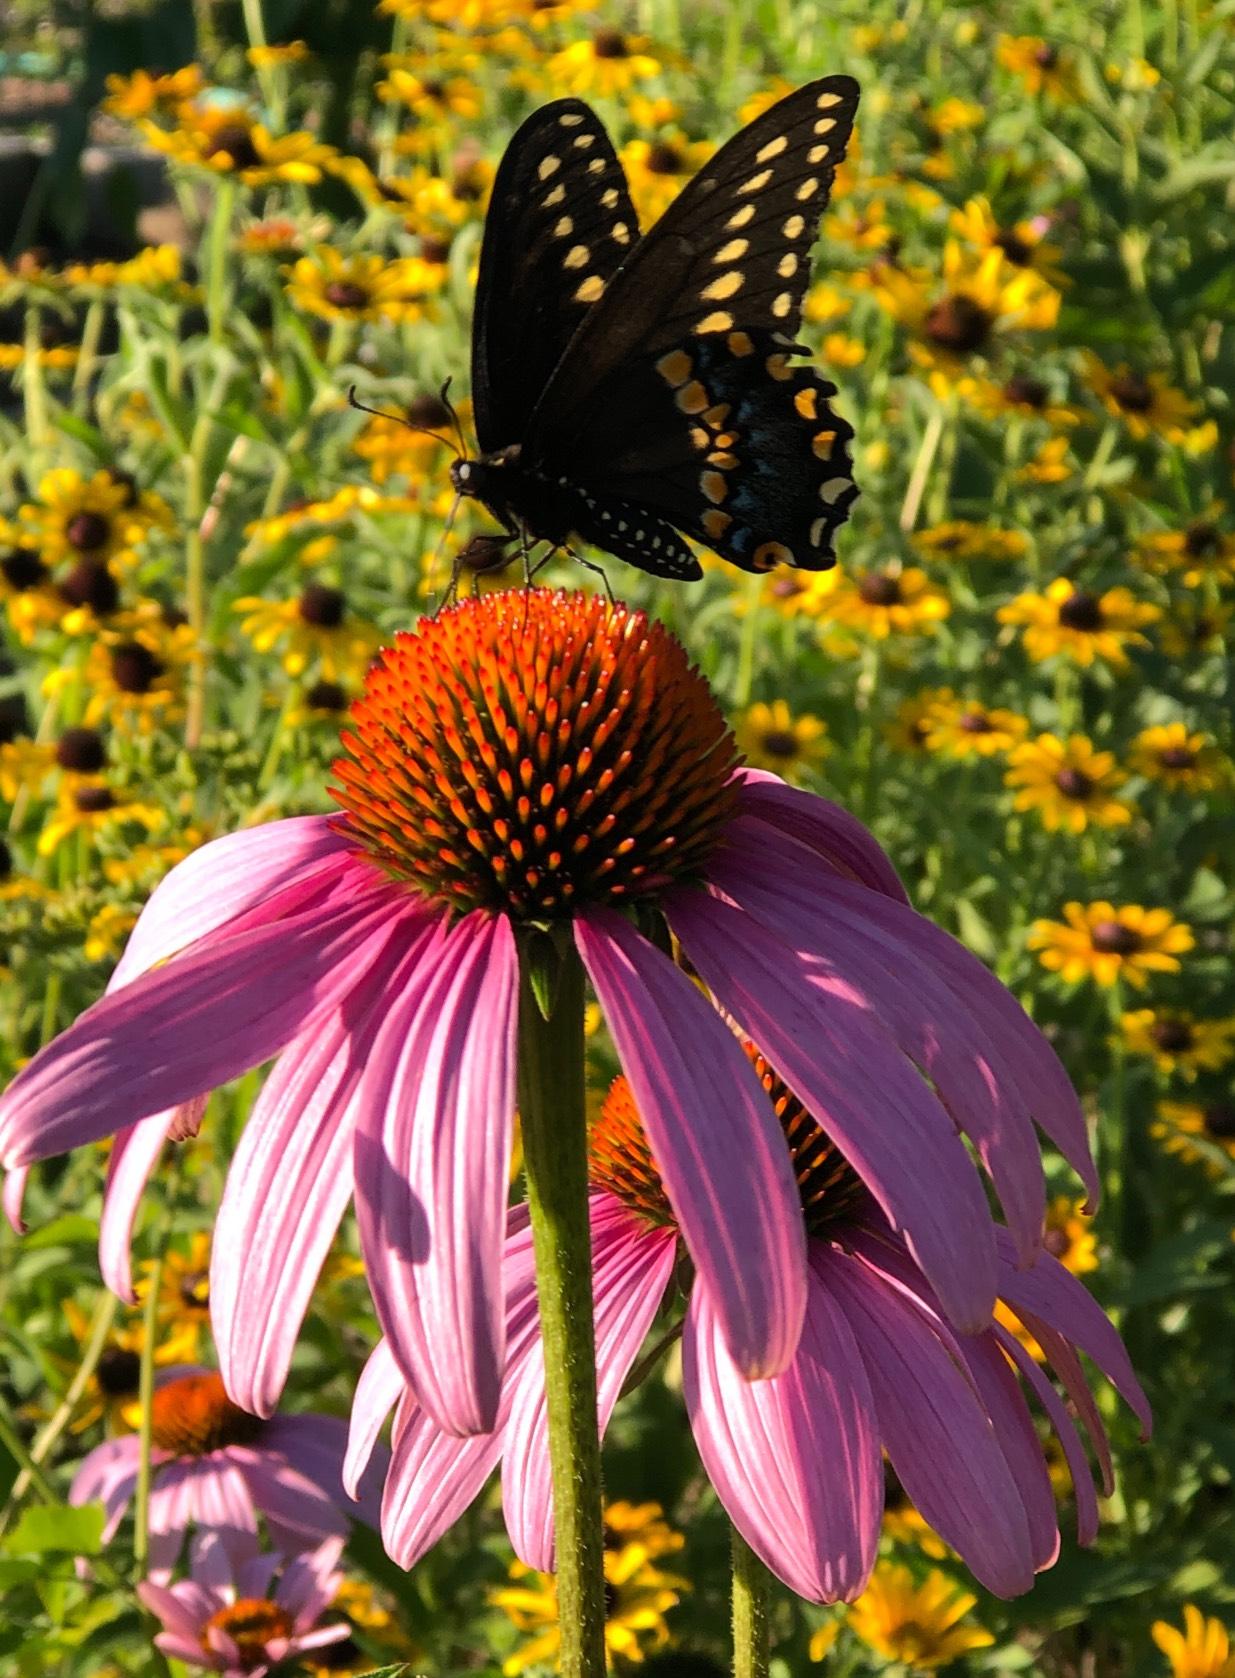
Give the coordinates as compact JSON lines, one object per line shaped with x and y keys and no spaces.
{"x":633,"y":392}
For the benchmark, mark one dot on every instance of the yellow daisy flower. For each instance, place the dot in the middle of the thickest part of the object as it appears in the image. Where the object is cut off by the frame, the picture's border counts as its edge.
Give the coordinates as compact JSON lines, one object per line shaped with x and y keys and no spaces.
{"x":316,"y":628}
{"x":1067,"y":783}
{"x":431,"y":97}
{"x":24,"y":767}
{"x":657,"y":170}
{"x":1024,"y":243}
{"x":183,"y":1305}
{"x":963,"y":539}
{"x":1145,"y":402}
{"x":276,"y":56}
{"x":864,"y":228}
{"x":607,"y":62}
{"x":771,"y":737}
{"x":838,"y":349}
{"x":902,"y":1524}
{"x":1181,"y":1125}
{"x":1193,"y":628}
{"x":1079,"y":624}
{"x":228,"y":140}
{"x":794,"y":593}
{"x":112,"y":1388}
{"x":1100,"y":942}
{"x":631,"y":1527}
{"x":100,"y":518}
{"x":1201,"y":1650}
{"x":1177,"y":1041}
{"x":1023,"y":394}
{"x":1043,"y":67}
{"x":1170,"y":753}
{"x":25,"y":587}
{"x":136,"y":673}
{"x":393,"y":449}
{"x":1202,"y":550}
{"x":915,"y":716}
{"x":107,"y":931}
{"x":968,"y":728}
{"x":1051,"y":464}
{"x":917,"y":1625}
{"x":978,"y":299}
{"x":883,"y":603}
{"x":97,"y":811}
{"x":141,"y":94}
{"x":355,"y":288}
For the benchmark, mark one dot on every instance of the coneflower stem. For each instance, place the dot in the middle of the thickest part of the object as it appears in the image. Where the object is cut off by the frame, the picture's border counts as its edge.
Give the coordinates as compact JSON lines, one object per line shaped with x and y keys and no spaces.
{"x":752,"y":1642}
{"x":141,"y":1506}
{"x":552,"y":1112}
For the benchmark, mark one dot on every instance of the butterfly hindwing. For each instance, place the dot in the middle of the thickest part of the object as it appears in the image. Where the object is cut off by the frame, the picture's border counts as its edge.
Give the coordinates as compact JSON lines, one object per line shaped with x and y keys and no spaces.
{"x":560,"y":222}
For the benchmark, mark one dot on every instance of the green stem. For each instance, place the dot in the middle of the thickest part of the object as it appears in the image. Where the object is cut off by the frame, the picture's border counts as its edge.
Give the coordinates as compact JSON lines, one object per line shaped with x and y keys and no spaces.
{"x":752,"y":1641}
{"x":87,"y":355}
{"x":141,"y":1508}
{"x":927,"y":451}
{"x":551,"y":1107}
{"x":34,"y":392}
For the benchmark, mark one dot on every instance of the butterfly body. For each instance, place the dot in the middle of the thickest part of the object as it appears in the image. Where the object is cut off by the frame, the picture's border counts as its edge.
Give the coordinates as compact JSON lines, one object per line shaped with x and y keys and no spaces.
{"x":633,"y":393}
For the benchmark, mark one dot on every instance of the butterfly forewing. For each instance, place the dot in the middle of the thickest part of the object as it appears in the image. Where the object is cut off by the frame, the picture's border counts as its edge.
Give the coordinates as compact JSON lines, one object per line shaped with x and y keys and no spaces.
{"x":559,"y":224}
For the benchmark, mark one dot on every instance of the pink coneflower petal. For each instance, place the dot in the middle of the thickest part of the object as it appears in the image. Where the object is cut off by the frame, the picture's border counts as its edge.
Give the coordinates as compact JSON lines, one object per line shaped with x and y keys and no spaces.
{"x":289,"y":1185}
{"x":632,"y":1264}
{"x":181,"y":1610}
{"x":933,"y":1427}
{"x":306,"y":1587}
{"x":713,"y":1133}
{"x":880,"y":1113}
{"x":795,"y":1460}
{"x":316,"y":1446}
{"x":14,"y":1193}
{"x":905,"y":995}
{"x":298,"y":1512}
{"x":433,"y":1172}
{"x":379,"y":1389}
{"x":224,"y":880}
{"x":1005,"y":1404}
{"x":174,"y":1507}
{"x":824,"y":827}
{"x":108,"y":1476}
{"x":1065,"y":1429}
{"x":214,"y":1012}
{"x":434,"y":1476}
{"x":134,"y":1155}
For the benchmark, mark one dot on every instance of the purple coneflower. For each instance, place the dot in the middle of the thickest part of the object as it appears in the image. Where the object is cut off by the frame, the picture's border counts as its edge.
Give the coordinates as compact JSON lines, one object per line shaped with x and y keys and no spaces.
{"x":217,"y":1468}
{"x":796,"y":1460}
{"x":226,"y":1617}
{"x":529,"y":768}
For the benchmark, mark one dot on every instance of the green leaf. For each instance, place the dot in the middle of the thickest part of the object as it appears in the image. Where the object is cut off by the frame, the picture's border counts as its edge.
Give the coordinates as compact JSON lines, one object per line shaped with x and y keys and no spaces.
{"x":69,"y":1230}
{"x":55,"y":1526}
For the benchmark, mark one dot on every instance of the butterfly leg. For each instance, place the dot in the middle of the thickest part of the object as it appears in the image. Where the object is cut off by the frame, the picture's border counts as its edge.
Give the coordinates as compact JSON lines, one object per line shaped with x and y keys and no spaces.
{"x":591,"y":565}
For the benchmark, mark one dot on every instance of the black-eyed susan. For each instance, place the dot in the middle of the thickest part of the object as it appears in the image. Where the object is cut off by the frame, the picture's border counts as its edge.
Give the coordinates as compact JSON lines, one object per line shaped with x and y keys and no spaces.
{"x":1146,"y":403}
{"x":922,"y":1626}
{"x":772,"y":737}
{"x":880,"y":603}
{"x":26,"y":590}
{"x":1068,"y":783}
{"x":1192,"y":1129}
{"x":910,"y":729}
{"x":1193,"y":627}
{"x":639,"y":1531}
{"x":1068,"y":1236}
{"x":838,"y":349}
{"x":657,"y":170}
{"x":100,"y":519}
{"x":977,"y":299}
{"x":278,"y":55}
{"x":24,"y":767}
{"x":112,"y":1388}
{"x":968,"y":728}
{"x":795,"y":593}
{"x":1080,"y":624}
{"x":230,"y":140}
{"x":638,"y":1596}
{"x":141,"y":94}
{"x":1201,"y":1650}
{"x":1043,"y":66}
{"x":1052,"y":463}
{"x":967,"y":539}
{"x":183,"y":1304}
{"x":361,"y":287}
{"x":1177,"y":1041}
{"x":1201,"y":550}
{"x":107,"y":930}
{"x":393,"y":449}
{"x":98,"y":811}
{"x":136,"y":672}
{"x":317,"y":629}
{"x":1023,"y":243}
{"x":861,"y":227}
{"x":410,"y":81}
{"x":1179,"y":757}
{"x":1101,"y":942}
{"x":1025,"y":395}
{"x":606,"y":62}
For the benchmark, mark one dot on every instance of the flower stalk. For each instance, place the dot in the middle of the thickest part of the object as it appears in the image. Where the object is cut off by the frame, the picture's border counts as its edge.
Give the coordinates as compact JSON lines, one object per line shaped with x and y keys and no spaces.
{"x":751,"y":1632}
{"x":551,"y":1108}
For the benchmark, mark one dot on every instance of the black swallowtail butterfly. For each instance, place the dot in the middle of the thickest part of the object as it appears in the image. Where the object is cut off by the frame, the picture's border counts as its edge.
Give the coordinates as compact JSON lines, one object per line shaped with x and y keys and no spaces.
{"x":629,"y":389}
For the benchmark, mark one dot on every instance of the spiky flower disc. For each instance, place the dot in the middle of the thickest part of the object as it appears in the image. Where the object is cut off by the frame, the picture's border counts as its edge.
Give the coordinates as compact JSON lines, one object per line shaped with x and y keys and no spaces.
{"x":536,"y":752}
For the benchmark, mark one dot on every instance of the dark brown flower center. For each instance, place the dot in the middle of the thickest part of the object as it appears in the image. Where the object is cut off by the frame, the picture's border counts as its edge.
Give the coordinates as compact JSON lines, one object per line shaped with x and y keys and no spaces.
{"x":1046,"y":57}
{"x":610,"y":43}
{"x":1173,"y":1036}
{"x":1081,"y":611}
{"x":346,"y":294}
{"x":975,"y":722}
{"x":321,"y":606}
{"x":780,"y":742}
{"x":1056,"y":1242}
{"x":1132,"y":392}
{"x":94,"y":801}
{"x":879,"y":588}
{"x":1027,"y":391}
{"x":6,"y":860}
{"x":91,"y":584}
{"x":434,"y":250}
{"x":87,"y":532}
{"x":118,"y":1372}
{"x":251,"y":1623}
{"x":958,"y":324}
{"x":195,"y":1289}
{"x":81,"y":750}
{"x":1075,"y":784}
{"x":192,"y":1415}
{"x":125,"y":481}
{"x":1017,"y":250}
{"x":1115,"y":939}
{"x":134,"y":668}
{"x":531,"y":752}
{"x":1220,"y":1120}
{"x":22,"y":569}
{"x":1202,"y":541}
{"x":235,"y":141}
{"x":664,"y":159}
{"x":326,"y":696}
{"x":1177,"y":757}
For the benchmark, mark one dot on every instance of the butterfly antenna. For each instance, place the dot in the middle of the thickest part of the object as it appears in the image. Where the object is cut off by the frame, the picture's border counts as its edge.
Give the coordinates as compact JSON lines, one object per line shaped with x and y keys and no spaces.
{"x":444,"y":398}
{"x":400,"y":419}
{"x":453,"y":585}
